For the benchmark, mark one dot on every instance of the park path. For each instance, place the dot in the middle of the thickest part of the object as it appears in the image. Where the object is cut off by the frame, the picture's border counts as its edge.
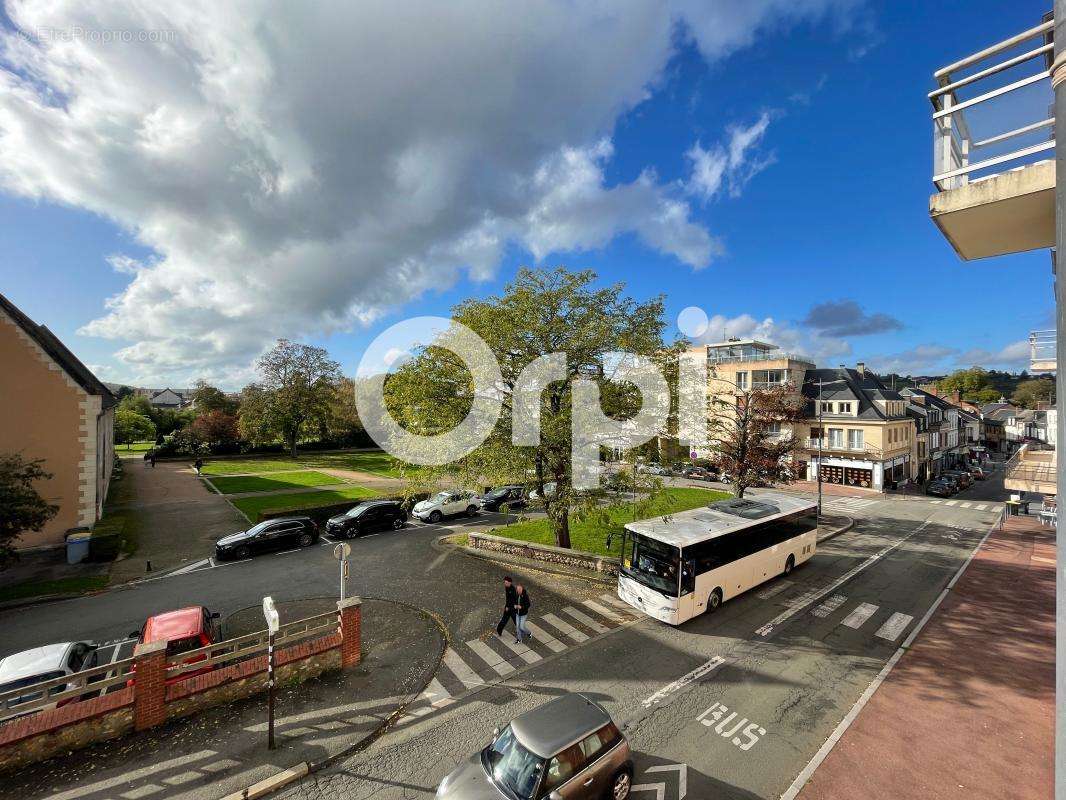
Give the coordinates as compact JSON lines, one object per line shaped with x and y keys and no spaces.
{"x":174,"y":516}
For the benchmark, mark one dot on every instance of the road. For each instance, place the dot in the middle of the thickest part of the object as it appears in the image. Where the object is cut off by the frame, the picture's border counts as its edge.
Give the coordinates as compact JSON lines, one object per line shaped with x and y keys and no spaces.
{"x":742,"y":698}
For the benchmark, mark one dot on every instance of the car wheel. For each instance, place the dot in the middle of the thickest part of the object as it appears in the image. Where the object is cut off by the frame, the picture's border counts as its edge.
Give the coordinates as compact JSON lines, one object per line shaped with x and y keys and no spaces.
{"x":306,"y":539}
{"x":715,"y":600}
{"x":242,"y":553}
{"x":397,"y":523}
{"x":621,"y":784}
{"x":435,"y":517}
{"x":471,"y":511}
{"x":790,"y":564}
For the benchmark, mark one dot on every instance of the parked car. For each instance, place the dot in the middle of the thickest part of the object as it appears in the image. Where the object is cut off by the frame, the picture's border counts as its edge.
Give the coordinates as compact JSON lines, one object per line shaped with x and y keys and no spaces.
{"x":512,"y":496}
{"x":272,"y":534}
{"x":30,"y":667}
{"x":568,"y":748}
{"x":550,"y":489}
{"x":183,"y":630}
{"x":651,"y":469}
{"x":980,"y":473}
{"x":951,"y":480}
{"x":446,"y":504}
{"x":938,"y":488}
{"x":368,"y":517}
{"x":964,"y":478}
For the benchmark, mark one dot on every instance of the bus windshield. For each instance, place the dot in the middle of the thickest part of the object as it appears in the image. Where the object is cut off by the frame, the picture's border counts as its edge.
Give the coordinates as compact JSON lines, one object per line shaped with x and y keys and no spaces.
{"x":651,"y":563}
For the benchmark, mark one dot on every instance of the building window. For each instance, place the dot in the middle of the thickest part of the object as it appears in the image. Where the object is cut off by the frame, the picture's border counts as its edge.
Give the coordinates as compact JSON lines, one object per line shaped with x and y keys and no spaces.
{"x":855,"y":440}
{"x":827,"y":407}
{"x":742,"y":381}
{"x":844,"y":408}
{"x":773,"y":428}
{"x":836,"y":437}
{"x":765,"y":378}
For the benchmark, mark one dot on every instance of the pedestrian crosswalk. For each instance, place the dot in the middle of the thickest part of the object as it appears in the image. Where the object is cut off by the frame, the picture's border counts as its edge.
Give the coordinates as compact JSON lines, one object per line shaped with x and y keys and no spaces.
{"x":845,"y":504}
{"x":893,"y":623}
{"x":849,"y":503}
{"x":967,"y":504}
{"x":477,"y":662}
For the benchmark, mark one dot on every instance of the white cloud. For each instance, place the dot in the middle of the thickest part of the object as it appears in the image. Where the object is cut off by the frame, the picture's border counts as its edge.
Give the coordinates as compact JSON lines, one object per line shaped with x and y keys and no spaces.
{"x":933,"y":359}
{"x":297,"y":169}
{"x":731,"y":165}
{"x":823,"y":349}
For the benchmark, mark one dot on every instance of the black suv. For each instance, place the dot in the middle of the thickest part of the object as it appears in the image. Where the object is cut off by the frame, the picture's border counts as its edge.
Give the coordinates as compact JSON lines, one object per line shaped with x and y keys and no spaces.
{"x":273,"y":534}
{"x":369,"y":517}
{"x":511,"y":496}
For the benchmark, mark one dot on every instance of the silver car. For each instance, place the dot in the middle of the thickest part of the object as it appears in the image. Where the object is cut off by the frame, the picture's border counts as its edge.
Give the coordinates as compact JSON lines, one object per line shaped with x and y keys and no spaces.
{"x":24,"y":670}
{"x":563,"y":750}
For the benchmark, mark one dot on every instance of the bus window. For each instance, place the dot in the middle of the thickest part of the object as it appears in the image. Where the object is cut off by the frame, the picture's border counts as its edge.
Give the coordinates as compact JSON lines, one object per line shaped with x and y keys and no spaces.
{"x":688,"y":576}
{"x":651,"y":563}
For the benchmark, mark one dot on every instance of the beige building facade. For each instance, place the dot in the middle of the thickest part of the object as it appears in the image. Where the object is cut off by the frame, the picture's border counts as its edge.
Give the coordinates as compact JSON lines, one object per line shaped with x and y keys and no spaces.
{"x":55,"y":409}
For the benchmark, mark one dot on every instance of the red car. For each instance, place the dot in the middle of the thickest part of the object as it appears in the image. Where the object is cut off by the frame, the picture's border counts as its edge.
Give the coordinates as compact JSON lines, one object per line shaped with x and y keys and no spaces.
{"x":183,"y":630}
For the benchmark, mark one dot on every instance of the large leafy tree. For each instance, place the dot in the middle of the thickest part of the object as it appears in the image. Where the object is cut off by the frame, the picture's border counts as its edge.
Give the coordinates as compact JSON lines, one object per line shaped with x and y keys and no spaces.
{"x":974,"y":384}
{"x":1030,"y":393}
{"x":754,"y":436}
{"x":540,"y":312}
{"x":132,"y":427}
{"x":21,"y":506}
{"x":298,"y":381}
{"x":207,"y":398}
{"x":216,"y":427}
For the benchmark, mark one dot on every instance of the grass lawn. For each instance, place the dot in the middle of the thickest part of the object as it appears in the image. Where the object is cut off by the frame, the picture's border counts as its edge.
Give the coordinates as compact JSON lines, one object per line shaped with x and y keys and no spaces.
{"x":252,"y":506}
{"x":590,"y":535}
{"x":374,"y":462}
{"x":274,"y":481}
{"x":134,"y":447}
{"x":78,"y":585}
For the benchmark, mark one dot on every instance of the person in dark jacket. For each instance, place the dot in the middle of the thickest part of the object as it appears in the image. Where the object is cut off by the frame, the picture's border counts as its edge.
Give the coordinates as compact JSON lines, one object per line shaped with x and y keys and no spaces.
{"x":510,"y":600}
{"x":199,"y":464}
{"x":521,"y":613}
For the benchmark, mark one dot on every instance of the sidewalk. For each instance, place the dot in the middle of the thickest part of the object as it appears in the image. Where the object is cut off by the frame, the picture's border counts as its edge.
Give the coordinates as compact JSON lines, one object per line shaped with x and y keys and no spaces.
{"x":224,"y":750}
{"x":968,"y":711}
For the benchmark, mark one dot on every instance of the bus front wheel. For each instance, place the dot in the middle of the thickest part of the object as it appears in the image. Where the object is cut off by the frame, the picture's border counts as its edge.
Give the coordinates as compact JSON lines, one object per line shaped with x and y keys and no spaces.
{"x":790,"y":564}
{"x":714,"y":600}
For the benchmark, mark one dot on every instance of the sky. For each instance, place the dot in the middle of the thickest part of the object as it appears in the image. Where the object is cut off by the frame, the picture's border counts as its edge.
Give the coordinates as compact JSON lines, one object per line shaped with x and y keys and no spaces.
{"x":181,"y":184}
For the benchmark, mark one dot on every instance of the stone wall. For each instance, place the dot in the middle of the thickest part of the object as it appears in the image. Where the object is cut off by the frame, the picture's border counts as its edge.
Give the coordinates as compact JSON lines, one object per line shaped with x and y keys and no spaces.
{"x":544,"y":552}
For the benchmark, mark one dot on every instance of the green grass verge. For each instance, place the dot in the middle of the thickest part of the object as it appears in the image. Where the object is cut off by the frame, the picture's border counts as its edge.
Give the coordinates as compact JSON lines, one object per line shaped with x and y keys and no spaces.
{"x":373,"y":462}
{"x":253,"y":506}
{"x":134,"y":447}
{"x":273,"y":481}
{"x":76,"y":585}
{"x":590,"y":534}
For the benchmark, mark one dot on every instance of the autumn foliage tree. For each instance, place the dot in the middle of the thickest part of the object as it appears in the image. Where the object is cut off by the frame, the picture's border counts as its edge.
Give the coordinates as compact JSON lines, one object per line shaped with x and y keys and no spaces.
{"x":216,"y":427}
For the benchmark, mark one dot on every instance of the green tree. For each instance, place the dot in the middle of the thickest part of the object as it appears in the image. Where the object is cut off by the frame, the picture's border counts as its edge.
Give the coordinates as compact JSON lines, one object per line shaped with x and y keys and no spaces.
{"x":298,"y":380}
{"x":970,"y":383}
{"x":340,"y":422}
{"x":22,"y":508}
{"x":540,"y":312}
{"x":137,"y":403}
{"x":1030,"y":393}
{"x":206,"y":398}
{"x":132,"y":427}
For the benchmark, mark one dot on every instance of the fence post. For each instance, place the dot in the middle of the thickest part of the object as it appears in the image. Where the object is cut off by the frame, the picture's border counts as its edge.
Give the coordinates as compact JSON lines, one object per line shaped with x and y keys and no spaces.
{"x":350,"y":611}
{"x":149,"y":685}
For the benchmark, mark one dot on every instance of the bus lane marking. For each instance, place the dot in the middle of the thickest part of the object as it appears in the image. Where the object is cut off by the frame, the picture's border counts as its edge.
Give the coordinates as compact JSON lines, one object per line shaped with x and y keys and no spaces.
{"x":713,"y":718}
{"x":682,"y":682}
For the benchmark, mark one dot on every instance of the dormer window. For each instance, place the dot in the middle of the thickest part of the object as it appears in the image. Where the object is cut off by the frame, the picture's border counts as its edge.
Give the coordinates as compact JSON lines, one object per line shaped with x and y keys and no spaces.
{"x":827,"y":407}
{"x":844,"y":408}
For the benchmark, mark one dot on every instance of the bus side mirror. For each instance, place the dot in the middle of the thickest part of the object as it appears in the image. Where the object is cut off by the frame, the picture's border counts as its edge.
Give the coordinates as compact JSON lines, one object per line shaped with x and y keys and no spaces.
{"x":610,"y":538}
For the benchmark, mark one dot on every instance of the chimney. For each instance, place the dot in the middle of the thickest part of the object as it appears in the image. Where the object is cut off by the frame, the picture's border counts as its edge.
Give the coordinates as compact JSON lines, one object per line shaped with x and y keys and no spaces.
{"x":861,"y":367}
{"x":956,"y":396}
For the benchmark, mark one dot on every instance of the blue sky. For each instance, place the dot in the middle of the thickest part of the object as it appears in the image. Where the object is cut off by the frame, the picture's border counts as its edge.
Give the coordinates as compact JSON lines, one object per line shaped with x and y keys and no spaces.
{"x":837,"y":213}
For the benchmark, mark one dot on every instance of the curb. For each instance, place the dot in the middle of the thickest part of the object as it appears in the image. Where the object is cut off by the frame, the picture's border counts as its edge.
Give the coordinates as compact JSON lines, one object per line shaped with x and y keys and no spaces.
{"x":847,"y":526}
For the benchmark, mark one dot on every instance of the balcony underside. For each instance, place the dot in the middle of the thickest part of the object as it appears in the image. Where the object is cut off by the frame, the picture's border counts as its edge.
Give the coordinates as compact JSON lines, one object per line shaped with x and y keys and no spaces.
{"x":1007,"y":213}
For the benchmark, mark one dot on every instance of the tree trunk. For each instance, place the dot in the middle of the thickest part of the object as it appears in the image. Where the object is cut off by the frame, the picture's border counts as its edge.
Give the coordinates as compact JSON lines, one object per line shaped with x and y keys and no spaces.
{"x":292,"y":444}
{"x":559,"y":517}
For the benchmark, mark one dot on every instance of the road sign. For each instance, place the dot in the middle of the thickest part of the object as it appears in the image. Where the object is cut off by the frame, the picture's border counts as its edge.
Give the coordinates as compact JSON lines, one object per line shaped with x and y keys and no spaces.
{"x":341,"y":551}
{"x":271,"y":614}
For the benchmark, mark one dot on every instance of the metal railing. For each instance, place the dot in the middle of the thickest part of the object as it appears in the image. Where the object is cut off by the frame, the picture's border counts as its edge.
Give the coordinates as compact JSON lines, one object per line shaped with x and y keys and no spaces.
{"x":962,"y":96}
{"x":85,"y":684}
{"x":714,"y":357}
{"x":1042,"y":351}
{"x":840,"y":447}
{"x":1022,"y":466}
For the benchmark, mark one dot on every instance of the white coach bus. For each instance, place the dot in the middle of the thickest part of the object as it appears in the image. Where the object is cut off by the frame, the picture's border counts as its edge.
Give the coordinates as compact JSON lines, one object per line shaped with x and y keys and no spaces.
{"x":678,"y":566}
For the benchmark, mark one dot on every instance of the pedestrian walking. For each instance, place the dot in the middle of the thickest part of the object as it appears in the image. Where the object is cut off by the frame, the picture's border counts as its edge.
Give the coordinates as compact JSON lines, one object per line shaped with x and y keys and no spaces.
{"x":151,"y":458}
{"x":510,"y":601}
{"x":521,"y":613}
{"x":199,"y":464}
{"x":147,"y":457}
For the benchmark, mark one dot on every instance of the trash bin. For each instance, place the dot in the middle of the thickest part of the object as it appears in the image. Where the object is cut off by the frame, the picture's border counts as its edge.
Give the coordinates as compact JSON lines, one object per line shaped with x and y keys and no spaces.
{"x":78,"y":547}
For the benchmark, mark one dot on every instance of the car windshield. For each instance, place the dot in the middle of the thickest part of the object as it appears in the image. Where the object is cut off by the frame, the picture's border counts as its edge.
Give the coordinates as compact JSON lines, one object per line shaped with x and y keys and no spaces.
{"x":441,"y":497}
{"x":498,"y":493}
{"x":512,"y":766}
{"x":356,"y":511}
{"x":651,"y":563}
{"x":262,"y":526}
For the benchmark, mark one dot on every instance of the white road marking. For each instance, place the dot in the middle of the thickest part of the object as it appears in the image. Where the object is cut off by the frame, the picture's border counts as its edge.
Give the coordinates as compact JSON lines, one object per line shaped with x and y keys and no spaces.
{"x":565,"y":627}
{"x":459,"y":668}
{"x":951,"y":502}
{"x":490,"y":657}
{"x":660,"y":788}
{"x":774,"y":590}
{"x":829,"y":606}
{"x":604,"y":612}
{"x":545,"y":638}
{"x":894,"y":626}
{"x":683,"y":681}
{"x":616,"y":601}
{"x":435,"y":693}
{"x":584,"y":619}
{"x":768,"y":628}
{"x":521,"y":651}
{"x":859,"y":616}
{"x":965,"y":505}
{"x":936,"y":502}
{"x":190,"y":567}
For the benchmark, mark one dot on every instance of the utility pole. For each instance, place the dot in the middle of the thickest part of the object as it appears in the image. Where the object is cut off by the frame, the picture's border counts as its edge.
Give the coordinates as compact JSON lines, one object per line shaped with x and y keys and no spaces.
{"x":1058,"y":82}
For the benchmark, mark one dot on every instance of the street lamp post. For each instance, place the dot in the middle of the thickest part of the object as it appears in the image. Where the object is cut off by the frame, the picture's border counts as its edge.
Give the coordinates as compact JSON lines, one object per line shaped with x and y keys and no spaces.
{"x":821,"y":436}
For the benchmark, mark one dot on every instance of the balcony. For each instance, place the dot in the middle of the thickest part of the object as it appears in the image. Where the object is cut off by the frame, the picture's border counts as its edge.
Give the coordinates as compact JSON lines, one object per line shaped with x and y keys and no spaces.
{"x":863,"y":451}
{"x":1042,"y":356}
{"x":770,"y":355}
{"x":994,"y":147}
{"x":1032,"y":469}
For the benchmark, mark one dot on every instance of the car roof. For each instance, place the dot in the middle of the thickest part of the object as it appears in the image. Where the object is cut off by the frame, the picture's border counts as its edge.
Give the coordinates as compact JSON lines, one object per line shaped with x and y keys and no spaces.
{"x":550,"y":728}
{"x":688,"y":527}
{"x":174,"y":624}
{"x":48,"y":658}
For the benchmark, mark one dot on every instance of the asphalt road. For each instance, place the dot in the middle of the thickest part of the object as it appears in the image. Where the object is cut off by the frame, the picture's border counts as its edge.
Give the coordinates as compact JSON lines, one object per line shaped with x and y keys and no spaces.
{"x":676,"y":690}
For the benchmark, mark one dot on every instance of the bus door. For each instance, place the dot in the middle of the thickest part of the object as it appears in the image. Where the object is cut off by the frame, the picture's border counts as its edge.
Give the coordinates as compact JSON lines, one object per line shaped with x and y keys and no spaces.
{"x":688,"y":605}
